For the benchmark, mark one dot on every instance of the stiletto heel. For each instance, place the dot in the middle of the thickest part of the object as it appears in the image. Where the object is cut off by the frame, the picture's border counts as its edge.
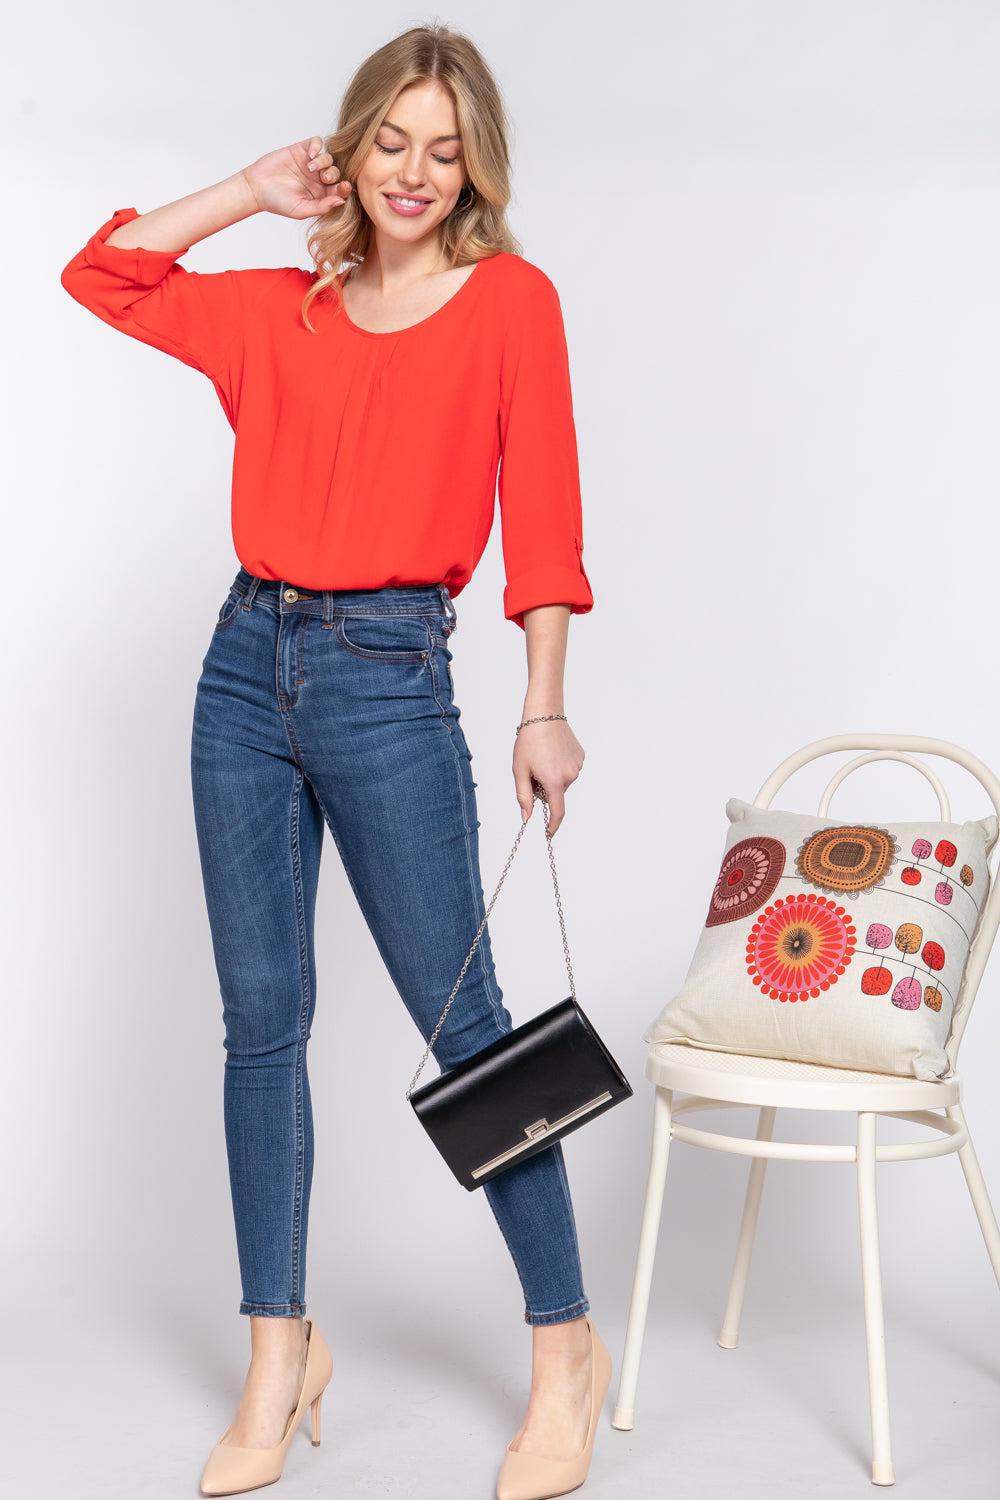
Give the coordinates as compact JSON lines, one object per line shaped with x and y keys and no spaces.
{"x":531,"y":1476}
{"x":231,"y":1470}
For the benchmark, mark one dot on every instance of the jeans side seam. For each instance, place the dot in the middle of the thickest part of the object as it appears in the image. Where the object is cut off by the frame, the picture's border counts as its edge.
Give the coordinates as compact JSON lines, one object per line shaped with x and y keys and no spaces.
{"x":487,"y":978}
{"x":560,"y":1161}
{"x":296,"y":1246}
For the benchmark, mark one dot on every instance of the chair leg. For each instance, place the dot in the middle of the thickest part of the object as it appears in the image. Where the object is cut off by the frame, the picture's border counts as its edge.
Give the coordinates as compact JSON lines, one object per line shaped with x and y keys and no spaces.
{"x":978,"y":1192}
{"x":878,"y":1390}
{"x":624,"y":1413}
{"x":730,"y":1334}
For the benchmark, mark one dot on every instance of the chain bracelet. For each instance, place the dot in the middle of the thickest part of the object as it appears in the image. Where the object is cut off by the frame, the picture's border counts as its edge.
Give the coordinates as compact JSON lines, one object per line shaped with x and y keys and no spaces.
{"x":539,"y":791}
{"x":540,"y":720}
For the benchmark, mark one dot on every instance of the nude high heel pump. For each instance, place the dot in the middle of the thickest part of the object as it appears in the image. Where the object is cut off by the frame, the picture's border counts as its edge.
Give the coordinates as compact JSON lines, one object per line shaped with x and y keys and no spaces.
{"x":231,"y":1470}
{"x":530,"y":1476}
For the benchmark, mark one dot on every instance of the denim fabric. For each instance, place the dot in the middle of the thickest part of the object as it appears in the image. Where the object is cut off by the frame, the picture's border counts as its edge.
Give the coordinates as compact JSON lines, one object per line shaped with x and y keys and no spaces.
{"x":337,"y":707}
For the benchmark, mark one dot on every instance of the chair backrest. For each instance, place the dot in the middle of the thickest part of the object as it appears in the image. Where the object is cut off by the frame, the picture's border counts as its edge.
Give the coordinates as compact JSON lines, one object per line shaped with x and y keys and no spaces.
{"x":906,"y":748}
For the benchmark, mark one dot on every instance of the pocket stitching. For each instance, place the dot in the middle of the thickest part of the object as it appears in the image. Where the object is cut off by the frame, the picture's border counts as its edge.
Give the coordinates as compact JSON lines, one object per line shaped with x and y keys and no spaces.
{"x":369,"y":654}
{"x":233,"y":599}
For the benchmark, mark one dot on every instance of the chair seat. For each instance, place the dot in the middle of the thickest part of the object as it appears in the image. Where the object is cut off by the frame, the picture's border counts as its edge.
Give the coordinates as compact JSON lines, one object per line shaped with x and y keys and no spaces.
{"x":741,"y":1079}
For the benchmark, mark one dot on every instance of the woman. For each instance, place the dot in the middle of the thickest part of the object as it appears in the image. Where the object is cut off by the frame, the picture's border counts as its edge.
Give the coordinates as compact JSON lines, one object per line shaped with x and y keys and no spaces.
{"x":372,"y":399}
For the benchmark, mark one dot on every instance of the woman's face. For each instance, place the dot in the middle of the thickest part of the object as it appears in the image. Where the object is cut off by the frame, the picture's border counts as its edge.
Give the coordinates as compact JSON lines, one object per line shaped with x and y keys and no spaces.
{"x":414,"y":172}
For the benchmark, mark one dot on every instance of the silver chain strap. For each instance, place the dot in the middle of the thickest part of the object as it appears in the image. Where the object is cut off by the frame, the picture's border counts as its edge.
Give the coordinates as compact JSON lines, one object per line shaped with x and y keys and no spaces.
{"x":539,"y":791}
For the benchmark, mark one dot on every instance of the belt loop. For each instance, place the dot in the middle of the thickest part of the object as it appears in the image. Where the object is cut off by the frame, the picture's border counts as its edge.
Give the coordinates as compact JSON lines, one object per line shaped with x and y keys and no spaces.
{"x":451,"y":615}
{"x":251,"y":592}
{"x":328,"y":609}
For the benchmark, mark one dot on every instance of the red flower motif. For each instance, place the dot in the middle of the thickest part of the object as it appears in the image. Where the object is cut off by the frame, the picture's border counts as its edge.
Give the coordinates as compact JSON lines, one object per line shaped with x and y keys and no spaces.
{"x":876,"y":981}
{"x":933,"y":955}
{"x":800,"y":946}
{"x":946,"y":853}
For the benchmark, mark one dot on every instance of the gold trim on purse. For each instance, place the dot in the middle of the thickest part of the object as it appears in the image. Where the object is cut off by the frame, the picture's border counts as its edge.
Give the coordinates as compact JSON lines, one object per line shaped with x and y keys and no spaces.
{"x":536,"y":1130}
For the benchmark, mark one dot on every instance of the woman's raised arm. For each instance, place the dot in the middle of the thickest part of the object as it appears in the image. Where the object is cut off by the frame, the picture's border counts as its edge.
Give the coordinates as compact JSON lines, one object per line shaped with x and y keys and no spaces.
{"x":177,"y":226}
{"x":127,"y":272}
{"x":293,"y":181}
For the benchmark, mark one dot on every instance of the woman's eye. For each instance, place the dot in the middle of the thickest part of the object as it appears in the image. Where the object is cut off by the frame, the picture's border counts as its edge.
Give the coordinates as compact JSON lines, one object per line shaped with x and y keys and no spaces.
{"x":446,"y":161}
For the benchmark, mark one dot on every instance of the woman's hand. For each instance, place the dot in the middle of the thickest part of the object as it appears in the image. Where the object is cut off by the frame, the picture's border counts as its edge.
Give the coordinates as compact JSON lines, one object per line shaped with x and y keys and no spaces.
{"x":297,"y":181}
{"x":550,"y":753}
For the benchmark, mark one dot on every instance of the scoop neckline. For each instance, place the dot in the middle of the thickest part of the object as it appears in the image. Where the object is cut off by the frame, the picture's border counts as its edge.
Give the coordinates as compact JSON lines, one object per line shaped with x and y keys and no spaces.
{"x":395,"y":333}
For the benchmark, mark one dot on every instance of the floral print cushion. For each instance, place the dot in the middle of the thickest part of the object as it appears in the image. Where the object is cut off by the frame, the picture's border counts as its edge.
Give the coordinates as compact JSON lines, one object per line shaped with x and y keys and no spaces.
{"x":836,"y":943}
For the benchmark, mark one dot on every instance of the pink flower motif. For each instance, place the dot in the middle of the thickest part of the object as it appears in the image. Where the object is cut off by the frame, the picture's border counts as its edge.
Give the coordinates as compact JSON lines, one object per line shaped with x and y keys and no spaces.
{"x":921,"y":848}
{"x":943,"y":893}
{"x":878,"y":935}
{"x":907,"y":994}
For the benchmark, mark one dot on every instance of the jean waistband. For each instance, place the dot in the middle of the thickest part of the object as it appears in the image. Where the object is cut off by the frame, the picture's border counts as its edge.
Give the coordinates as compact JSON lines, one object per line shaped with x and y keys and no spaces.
{"x":395,"y":597}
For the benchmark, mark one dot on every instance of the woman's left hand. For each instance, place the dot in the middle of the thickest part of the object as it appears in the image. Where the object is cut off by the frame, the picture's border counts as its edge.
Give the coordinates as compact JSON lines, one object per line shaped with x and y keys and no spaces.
{"x":550,"y":753}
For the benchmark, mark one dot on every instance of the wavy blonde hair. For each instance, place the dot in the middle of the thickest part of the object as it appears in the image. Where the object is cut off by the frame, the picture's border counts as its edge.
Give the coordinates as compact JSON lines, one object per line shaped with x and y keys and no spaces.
{"x":474,"y":229}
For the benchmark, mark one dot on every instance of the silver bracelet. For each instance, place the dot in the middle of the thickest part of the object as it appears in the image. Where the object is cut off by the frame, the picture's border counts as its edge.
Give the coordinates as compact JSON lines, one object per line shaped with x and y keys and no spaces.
{"x":540,"y":720}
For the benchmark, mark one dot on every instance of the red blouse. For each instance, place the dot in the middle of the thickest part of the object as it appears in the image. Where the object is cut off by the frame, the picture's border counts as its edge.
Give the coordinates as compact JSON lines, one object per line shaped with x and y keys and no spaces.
{"x":364,"y":460}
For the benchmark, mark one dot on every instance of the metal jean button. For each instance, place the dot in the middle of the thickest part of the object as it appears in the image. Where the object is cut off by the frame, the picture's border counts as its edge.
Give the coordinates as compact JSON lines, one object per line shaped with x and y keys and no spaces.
{"x":291,"y":595}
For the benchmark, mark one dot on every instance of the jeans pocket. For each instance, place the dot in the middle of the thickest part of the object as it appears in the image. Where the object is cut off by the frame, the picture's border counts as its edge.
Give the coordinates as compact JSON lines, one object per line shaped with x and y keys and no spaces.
{"x":385,"y":637}
{"x":229,"y":610}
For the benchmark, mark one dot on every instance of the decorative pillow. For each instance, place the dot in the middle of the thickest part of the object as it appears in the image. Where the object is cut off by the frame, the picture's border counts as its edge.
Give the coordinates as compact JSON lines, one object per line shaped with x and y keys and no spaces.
{"x":836,"y":943}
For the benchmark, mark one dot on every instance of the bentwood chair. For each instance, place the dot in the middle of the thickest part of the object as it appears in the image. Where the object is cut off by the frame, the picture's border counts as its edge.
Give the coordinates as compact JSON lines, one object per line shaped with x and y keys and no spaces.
{"x":716,"y":1080}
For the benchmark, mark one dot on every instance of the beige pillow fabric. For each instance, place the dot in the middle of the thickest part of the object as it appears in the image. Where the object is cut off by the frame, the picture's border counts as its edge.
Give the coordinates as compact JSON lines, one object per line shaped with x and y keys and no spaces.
{"x":836,"y":943}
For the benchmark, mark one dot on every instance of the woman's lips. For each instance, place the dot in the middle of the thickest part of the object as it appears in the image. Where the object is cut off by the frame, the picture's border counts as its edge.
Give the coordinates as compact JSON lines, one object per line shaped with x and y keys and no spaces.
{"x":408,"y":210}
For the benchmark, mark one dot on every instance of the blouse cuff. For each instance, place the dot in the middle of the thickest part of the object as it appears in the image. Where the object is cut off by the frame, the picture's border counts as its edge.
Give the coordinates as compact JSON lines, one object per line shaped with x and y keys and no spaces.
{"x":547,"y":585}
{"x":132,"y":263}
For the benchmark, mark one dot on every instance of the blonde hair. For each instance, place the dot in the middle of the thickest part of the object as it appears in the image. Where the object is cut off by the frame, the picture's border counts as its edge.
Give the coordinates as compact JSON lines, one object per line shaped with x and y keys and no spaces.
{"x":473,"y":230}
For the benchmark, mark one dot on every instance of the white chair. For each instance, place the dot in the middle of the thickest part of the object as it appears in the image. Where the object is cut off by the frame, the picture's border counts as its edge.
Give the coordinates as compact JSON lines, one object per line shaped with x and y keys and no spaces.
{"x":717,"y":1080}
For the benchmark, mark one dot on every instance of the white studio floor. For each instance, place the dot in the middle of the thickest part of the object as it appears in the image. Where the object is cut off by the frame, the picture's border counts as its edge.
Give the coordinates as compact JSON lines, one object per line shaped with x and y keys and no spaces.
{"x":129,"y":1402}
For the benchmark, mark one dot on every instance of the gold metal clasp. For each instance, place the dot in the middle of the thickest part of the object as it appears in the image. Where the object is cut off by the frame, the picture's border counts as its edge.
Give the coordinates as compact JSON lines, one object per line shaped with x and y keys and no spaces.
{"x":537,"y":1129}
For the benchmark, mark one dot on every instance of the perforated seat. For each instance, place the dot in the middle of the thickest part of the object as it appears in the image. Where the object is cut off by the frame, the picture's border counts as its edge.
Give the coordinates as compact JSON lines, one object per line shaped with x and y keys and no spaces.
{"x":739,"y":1079}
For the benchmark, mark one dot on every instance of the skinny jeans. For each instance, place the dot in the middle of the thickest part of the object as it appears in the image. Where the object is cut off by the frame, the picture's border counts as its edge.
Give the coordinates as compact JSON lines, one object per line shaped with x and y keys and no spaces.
{"x":336,"y":708}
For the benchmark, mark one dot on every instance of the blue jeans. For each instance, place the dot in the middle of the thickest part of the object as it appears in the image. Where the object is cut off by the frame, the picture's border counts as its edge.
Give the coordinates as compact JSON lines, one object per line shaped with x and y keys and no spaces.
{"x":337,"y":707}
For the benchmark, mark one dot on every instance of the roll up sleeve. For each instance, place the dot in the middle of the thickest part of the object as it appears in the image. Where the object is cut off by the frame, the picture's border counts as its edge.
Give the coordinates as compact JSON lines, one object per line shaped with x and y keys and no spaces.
{"x":196,"y":316}
{"x":539,"y":482}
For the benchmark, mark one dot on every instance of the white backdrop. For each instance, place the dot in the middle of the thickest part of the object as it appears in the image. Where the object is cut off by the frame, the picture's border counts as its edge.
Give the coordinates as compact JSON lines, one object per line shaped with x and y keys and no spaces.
{"x":774,"y":228}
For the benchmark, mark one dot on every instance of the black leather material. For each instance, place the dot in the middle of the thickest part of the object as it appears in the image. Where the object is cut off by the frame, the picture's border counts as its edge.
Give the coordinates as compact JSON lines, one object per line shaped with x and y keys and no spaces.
{"x":545,"y":1069}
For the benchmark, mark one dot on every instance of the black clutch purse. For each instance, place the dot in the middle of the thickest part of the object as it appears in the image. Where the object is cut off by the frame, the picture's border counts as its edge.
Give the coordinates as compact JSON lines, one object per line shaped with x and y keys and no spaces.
{"x":527,"y":1089}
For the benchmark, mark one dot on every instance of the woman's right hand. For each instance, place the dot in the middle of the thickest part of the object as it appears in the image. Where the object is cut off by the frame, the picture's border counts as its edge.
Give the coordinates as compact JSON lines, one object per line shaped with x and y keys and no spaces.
{"x":296,"y":181}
